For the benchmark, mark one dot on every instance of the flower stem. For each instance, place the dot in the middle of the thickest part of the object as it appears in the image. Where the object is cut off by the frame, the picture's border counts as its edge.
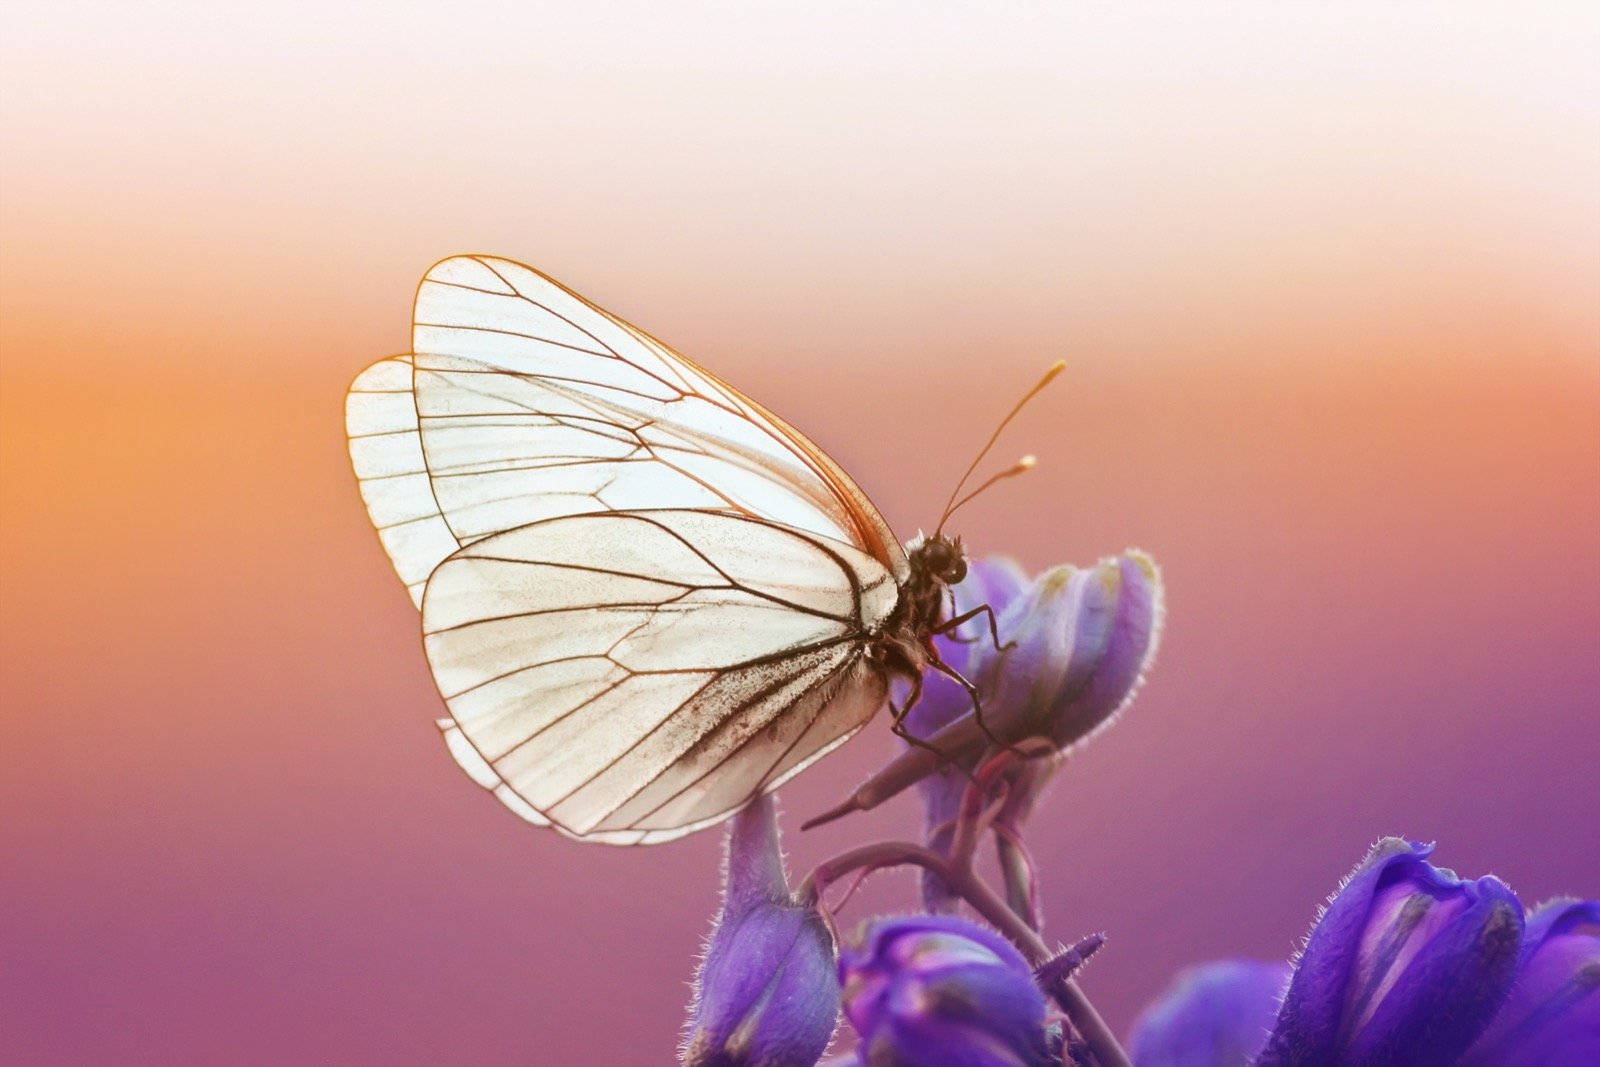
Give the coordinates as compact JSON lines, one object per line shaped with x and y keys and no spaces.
{"x":1016,"y":870}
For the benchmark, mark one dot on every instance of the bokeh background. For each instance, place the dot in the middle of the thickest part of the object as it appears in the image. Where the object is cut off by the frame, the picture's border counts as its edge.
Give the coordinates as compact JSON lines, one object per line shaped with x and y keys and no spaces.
{"x":1327,"y":281}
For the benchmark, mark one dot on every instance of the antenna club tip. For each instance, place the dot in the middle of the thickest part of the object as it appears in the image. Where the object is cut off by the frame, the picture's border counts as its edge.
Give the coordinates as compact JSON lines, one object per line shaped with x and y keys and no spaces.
{"x":1055,"y":368}
{"x":1028,"y":462}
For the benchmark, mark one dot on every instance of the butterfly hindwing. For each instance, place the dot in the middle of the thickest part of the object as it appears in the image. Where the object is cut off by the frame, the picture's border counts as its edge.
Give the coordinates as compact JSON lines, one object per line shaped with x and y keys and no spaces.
{"x":648,"y":672}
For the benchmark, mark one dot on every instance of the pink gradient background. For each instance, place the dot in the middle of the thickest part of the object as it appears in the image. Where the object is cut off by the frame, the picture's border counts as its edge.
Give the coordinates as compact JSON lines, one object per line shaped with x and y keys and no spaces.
{"x":1327,"y":285}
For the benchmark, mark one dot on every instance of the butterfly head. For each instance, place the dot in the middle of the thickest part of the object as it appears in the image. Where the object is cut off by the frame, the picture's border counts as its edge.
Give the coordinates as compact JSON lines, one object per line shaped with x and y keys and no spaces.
{"x":939,"y":558}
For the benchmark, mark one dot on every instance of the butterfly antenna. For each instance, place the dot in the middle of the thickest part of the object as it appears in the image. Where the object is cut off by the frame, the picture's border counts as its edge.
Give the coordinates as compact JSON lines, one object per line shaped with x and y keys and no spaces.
{"x":1026,"y":463}
{"x":1021,"y":466}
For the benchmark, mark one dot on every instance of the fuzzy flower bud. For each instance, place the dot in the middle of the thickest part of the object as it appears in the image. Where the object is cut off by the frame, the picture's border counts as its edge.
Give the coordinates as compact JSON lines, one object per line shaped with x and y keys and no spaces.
{"x":766,"y":994}
{"x":1215,"y":1015}
{"x":1083,"y":638}
{"x":939,"y":989}
{"x":1407,"y":964}
{"x":1552,"y":1017}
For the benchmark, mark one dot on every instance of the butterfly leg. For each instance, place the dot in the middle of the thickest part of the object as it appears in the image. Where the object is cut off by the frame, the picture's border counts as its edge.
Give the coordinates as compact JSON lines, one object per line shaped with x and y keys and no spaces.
{"x":994,"y":630}
{"x":911,"y":699}
{"x":977,"y":703}
{"x":898,"y":726}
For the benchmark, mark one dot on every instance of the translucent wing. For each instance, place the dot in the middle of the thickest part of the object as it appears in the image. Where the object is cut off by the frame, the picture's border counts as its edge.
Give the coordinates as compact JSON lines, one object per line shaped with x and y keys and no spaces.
{"x":636,"y":675}
{"x":386,"y":451}
{"x":533,"y":403}
{"x":647,"y":597}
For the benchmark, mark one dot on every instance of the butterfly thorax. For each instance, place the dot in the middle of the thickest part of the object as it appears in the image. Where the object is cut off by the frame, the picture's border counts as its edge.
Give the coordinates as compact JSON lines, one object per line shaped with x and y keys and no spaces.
{"x":905,"y":643}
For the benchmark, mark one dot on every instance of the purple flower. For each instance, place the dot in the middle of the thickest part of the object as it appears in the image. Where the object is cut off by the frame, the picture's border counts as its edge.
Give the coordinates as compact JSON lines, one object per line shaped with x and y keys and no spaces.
{"x":1215,"y":1015}
{"x":1083,"y":640}
{"x":939,"y":989}
{"x":1552,"y":1017}
{"x":766,"y":993}
{"x":1407,"y":964}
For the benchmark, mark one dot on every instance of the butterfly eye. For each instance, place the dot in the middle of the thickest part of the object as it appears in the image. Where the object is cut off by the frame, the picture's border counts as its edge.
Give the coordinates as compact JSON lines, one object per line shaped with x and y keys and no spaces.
{"x":957,"y":571}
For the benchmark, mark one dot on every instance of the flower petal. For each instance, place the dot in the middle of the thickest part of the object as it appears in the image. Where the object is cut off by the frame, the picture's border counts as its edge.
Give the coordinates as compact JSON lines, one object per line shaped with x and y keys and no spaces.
{"x":1450,"y":990}
{"x":1119,"y":629}
{"x":1407,"y":964}
{"x":1553,"y":1014}
{"x":1308,"y":1023}
{"x":1083,"y":638}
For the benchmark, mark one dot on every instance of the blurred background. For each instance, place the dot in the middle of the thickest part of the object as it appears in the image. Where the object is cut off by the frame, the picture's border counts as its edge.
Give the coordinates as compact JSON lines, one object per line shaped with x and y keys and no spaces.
{"x":1328,"y":286}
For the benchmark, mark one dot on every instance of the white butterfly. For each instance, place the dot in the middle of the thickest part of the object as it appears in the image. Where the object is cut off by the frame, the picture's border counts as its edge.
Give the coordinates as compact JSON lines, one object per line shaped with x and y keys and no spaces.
{"x":645,"y":598}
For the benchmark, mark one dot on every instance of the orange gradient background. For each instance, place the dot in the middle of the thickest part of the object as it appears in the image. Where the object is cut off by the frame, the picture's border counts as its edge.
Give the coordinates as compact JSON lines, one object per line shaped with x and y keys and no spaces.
{"x":1326,"y":283}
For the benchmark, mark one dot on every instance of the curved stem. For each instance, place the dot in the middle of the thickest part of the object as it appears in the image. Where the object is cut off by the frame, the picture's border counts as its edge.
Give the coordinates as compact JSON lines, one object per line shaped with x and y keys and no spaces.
{"x":865,"y":857}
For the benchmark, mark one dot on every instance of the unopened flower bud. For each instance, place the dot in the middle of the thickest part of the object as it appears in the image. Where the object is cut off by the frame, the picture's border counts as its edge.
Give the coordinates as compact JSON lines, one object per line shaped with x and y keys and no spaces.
{"x":937,"y":989}
{"x":1083,"y":639}
{"x":1076,"y":644}
{"x":767,"y":994}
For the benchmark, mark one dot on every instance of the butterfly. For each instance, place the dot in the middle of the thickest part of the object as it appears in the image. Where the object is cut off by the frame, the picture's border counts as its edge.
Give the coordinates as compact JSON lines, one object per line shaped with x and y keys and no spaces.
{"x":645,"y":598}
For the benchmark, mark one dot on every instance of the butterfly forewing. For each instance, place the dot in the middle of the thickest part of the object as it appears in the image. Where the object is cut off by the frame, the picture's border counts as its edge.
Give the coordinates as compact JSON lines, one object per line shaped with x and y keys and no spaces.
{"x":647,"y":597}
{"x":386,"y":452}
{"x":532,"y":403}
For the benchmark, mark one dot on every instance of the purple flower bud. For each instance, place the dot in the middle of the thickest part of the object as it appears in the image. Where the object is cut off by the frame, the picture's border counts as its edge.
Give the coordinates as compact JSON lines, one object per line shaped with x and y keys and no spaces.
{"x":767,"y":993}
{"x":1215,"y":1015}
{"x":1407,"y":964}
{"x":1083,"y":640}
{"x":939,"y":989}
{"x":1552,"y":1017}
